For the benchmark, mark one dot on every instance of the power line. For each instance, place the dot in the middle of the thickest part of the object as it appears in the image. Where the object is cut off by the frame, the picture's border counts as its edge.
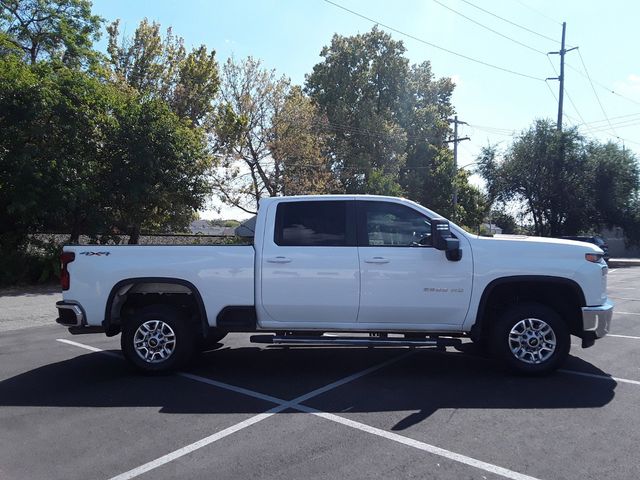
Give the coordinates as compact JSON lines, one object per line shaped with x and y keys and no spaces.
{"x":596,"y":93}
{"x":603,"y":128}
{"x":489,"y":28}
{"x":466,"y":57}
{"x":555,"y":97}
{"x":539,"y":13}
{"x":628,"y":116}
{"x":510,"y":22}
{"x":602,"y":85}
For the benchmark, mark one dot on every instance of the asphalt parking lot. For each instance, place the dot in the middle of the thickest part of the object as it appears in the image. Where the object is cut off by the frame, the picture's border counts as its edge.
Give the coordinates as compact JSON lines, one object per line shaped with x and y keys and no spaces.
{"x":70,"y":408}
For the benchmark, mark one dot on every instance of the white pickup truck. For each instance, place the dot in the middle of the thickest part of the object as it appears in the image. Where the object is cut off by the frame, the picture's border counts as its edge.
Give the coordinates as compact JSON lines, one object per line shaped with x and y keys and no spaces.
{"x":349,"y":265}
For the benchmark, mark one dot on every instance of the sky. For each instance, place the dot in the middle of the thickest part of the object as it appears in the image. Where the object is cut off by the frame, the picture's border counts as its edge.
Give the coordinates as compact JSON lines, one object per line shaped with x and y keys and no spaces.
{"x":602,"y":76}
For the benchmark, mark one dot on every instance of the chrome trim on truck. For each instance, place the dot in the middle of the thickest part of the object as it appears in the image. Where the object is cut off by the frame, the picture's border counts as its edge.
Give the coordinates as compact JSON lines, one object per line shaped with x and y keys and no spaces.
{"x":597,"y":319}
{"x":75,"y":309}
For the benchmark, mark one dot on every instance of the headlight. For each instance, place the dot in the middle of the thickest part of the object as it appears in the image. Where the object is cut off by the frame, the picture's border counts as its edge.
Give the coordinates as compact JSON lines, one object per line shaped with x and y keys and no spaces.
{"x":593,"y":257}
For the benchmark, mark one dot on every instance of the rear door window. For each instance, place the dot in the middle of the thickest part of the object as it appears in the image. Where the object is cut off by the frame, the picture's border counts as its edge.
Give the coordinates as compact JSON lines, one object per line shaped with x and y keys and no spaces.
{"x":315,"y":224}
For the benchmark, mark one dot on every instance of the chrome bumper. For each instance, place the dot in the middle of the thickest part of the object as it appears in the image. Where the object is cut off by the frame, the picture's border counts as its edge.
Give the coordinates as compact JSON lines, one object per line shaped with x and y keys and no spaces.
{"x":597,"y":320}
{"x":69,"y":314}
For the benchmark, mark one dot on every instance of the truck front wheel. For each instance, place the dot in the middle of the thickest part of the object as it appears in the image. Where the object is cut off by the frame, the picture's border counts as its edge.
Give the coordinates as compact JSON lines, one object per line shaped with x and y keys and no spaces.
{"x":157,"y":339}
{"x":532,"y":339}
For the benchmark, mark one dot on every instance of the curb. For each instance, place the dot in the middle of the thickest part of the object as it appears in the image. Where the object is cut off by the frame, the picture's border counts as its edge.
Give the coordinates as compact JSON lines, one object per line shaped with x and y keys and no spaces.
{"x":624,"y":262}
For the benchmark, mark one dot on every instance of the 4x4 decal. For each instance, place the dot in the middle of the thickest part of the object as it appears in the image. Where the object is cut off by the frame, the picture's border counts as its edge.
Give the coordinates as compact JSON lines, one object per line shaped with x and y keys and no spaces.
{"x":95,"y":254}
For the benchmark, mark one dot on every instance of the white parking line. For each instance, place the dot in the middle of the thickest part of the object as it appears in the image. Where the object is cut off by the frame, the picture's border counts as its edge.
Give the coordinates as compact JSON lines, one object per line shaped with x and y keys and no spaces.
{"x":87,"y":347}
{"x":626,"y":313}
{"x":425,"y":447}
{"x":622,"y":336}
{"x":196,"y":445}
{"x":601,"y":377}
{"x":295,"y":404}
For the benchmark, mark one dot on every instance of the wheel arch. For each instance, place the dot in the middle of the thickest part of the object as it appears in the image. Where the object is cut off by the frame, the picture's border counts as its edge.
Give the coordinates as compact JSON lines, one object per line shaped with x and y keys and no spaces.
{"x":562,"y":294}
{"x":112,"y":319}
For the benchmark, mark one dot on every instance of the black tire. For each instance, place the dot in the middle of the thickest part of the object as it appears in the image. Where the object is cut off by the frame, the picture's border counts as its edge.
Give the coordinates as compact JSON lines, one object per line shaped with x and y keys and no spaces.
{"x":524,"y":336}
{"x":173,"y":325}
{"x":211,"y":342}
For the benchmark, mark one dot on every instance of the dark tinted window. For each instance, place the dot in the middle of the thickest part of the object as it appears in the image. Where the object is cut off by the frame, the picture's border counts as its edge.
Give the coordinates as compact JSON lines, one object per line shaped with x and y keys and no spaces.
{"x":393,"y":225}
{"x":312,"y":224}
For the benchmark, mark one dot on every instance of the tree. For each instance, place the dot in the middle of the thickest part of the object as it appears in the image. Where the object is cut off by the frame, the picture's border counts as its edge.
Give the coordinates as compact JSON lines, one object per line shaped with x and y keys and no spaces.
{"x":562,"y":184}
{"x":51,"y":131}
{"x":360,"y":86}
{"x":158,"y":167}
{"x":429,"y":173}
{"x":251,"y":97}
{"x":297,"y":147}
{"x":615,"y":176}
{"x":81,"y":156}
{"x":389,"y":123}
{"x":505,"y":221}
{"x":50,"y":29}
{"x":161,"y":68}
{"x":473,"y":206}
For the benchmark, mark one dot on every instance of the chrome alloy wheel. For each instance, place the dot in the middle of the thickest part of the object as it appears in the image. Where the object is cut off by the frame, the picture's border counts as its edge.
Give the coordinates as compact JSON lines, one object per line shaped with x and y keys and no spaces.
{"x":532,"y":341}
{"x":154,"y":341}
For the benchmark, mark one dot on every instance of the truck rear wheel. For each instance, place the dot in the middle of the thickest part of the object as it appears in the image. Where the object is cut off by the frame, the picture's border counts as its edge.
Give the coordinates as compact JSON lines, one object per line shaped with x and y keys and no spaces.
{"x":531,"y":338}
{"x":157,"y":339}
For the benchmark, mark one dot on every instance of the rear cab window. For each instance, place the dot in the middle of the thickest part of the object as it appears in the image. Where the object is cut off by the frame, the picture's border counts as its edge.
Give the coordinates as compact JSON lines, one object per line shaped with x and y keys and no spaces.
{"x":312,"y":223}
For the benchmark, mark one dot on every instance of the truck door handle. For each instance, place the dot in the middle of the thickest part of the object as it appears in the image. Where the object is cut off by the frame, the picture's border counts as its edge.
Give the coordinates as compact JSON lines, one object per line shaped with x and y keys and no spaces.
{"x":278,"y":260}
{"x":377,"y":260}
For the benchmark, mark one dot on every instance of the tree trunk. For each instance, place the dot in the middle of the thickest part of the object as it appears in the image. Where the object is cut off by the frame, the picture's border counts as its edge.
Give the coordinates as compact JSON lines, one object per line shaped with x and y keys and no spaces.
{"x":134,"y":235}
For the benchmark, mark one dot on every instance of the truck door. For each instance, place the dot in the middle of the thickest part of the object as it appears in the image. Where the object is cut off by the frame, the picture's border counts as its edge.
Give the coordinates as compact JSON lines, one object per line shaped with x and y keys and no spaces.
{"x":404,"y":280}
{"x":309,"y":266}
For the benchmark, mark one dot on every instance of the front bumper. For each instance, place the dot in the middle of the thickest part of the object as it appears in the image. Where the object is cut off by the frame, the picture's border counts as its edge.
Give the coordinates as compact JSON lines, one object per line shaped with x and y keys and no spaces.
{"x":596,"y":322}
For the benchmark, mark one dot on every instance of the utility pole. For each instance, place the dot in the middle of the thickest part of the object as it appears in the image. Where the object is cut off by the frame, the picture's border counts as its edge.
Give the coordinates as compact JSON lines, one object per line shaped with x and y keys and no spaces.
{"x":455,"y":141}
{"x":561,"y":77}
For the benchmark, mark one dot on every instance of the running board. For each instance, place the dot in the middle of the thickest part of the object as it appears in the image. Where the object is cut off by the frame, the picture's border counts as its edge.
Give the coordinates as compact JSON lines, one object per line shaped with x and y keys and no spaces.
{"x":373,"y":341}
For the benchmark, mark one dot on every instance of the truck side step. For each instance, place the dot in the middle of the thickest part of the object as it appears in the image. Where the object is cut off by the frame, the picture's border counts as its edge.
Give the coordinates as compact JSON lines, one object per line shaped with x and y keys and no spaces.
{"x":372,"y":341}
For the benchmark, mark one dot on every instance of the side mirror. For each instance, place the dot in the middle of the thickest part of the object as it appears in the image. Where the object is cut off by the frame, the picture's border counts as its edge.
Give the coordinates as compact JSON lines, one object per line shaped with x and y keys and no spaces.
{"x":443,"y":240}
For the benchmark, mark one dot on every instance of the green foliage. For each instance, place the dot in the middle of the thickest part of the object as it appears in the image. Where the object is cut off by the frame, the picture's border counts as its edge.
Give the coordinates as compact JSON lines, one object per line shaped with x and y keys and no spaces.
{"x":52,"y":131}
{"x":563,"y":185}
{"x":157,"y":168}
{"x":62,"y":30}
{"x":472,"y":206}
{"x":298,"y":147}
{"x":251,"y":99}
{"x":78,"y":155}
{"x":506,"y":222}
{"x":161,"y":68}
{"x":388,"y":124}
{"x":360,"y":86}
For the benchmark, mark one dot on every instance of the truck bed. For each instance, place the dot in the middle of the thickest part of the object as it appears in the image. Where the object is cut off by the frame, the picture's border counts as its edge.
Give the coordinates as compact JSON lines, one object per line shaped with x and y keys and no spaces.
{"x":224,"y":275}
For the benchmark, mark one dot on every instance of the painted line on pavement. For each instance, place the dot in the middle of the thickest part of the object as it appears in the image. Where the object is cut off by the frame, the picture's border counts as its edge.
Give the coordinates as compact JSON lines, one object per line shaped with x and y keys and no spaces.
{"x":181,"y":452}
{"x":295,"y":404}
{"x":281,"y":406}
{"x":88,"y":347}
{"x":623,"y":336}
{"x":626,"y":313}
{"x":425,"y":447}
{"x":600,"y":377}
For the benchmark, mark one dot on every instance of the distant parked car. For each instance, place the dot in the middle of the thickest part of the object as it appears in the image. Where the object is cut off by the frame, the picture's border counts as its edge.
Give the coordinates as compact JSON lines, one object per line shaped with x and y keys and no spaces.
{"x":596,"y":240}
